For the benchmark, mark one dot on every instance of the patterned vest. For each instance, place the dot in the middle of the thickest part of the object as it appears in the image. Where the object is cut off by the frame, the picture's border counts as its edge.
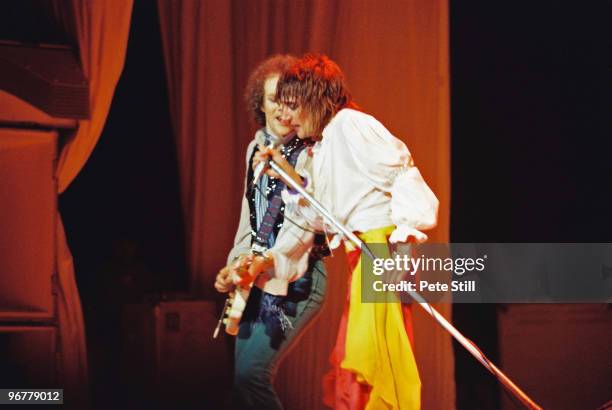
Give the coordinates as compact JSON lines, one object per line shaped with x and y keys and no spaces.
{"x":270,"y":309}
{"x":271,"y":222}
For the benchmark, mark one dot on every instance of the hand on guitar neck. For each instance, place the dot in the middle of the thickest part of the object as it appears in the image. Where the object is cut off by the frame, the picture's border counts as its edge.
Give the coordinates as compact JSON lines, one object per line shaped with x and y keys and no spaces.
{"x":242,"y":272}
{"x":236,"y":273}
{"x":236,"y":278}
{"x":223,"y":281}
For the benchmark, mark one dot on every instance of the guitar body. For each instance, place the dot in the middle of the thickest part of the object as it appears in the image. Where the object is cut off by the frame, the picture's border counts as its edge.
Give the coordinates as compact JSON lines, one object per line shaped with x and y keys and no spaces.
{"x":236,"y":300}
{"x":234,"y":308}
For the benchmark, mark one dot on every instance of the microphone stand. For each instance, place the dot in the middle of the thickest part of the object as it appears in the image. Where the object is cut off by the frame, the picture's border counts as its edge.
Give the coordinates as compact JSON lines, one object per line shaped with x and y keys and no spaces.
{"x":459,"y":337}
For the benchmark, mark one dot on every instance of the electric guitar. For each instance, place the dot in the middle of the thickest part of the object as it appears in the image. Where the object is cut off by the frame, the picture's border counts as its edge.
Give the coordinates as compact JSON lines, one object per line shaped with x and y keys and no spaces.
{"x":236,"y":302}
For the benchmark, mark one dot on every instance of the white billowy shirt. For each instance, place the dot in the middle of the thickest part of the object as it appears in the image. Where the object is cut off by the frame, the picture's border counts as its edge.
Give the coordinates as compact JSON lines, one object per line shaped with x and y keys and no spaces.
{"x":366,"y":178}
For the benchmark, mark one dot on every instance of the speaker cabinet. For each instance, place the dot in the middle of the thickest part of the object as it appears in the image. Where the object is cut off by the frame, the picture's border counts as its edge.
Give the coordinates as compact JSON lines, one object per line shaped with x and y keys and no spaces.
{"x":170,"y":358}
{"x":49,"y":77}
{"x":28,"y":357}
{"x":28,"y":209}
{"x":558,"y":354}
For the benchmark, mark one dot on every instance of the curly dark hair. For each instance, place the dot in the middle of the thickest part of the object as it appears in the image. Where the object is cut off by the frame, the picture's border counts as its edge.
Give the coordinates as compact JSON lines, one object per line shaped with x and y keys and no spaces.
{"x":254,"y":92}
{"x":317,"y":84}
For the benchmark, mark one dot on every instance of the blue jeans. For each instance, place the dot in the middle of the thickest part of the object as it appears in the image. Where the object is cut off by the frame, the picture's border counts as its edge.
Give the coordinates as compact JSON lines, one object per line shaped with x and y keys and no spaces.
{"x":259,"y":347}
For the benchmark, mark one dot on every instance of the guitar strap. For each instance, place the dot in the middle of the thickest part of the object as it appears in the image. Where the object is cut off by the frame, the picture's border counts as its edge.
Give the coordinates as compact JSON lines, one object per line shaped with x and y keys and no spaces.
{"x":271,"y":222}
{"x":270,"y":309}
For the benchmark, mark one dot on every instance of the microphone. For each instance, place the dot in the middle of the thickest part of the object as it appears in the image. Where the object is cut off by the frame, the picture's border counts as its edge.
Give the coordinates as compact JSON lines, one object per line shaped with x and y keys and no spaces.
{"x":274,"y":142}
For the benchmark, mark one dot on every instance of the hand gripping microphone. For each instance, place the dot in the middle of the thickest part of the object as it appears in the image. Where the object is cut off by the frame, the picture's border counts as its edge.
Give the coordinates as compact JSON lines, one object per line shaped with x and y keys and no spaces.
{"x":274,"y":142}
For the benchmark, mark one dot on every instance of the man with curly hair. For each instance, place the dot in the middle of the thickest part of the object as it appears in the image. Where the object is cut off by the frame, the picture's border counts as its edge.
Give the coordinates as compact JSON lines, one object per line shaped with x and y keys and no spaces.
{"x":283,"y":300}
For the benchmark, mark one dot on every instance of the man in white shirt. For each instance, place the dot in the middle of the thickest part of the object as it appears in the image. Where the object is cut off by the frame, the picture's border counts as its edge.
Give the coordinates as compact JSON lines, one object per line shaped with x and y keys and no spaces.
{"x":366,"y":178}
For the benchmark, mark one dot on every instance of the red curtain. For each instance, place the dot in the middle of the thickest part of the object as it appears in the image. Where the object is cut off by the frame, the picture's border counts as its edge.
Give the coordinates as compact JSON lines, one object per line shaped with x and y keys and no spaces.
{"x":395,"y":56}
{"x":196,"y":37}
{"x":100,"y":29}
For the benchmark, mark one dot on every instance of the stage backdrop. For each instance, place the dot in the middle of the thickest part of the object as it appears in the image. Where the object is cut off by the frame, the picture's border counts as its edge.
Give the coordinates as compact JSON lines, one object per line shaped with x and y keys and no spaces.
{"x":100,"y":31}
{"x":395,"y":56}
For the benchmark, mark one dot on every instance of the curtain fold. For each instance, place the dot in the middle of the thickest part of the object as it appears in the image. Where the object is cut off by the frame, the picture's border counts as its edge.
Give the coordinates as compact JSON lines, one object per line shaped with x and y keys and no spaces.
{"x":201,"y":109}
{"x":101,"y":31}
{"x":396,"y":61}
{"x":100,"y":28}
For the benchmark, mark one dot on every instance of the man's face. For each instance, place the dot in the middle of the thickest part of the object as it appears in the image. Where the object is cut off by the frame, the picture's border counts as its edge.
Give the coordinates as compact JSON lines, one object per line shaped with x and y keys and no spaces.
{"x":299,"y":119}
{"x":276,"y":123}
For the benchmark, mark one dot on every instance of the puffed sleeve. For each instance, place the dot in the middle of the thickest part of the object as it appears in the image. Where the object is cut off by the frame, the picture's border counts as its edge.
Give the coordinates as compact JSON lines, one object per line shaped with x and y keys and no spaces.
{"x":295,"y":206}
{"x":386,"y":162}
{"x":295,"y":238}
{"x":291,"y":252}
{"x":414,"y":207}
